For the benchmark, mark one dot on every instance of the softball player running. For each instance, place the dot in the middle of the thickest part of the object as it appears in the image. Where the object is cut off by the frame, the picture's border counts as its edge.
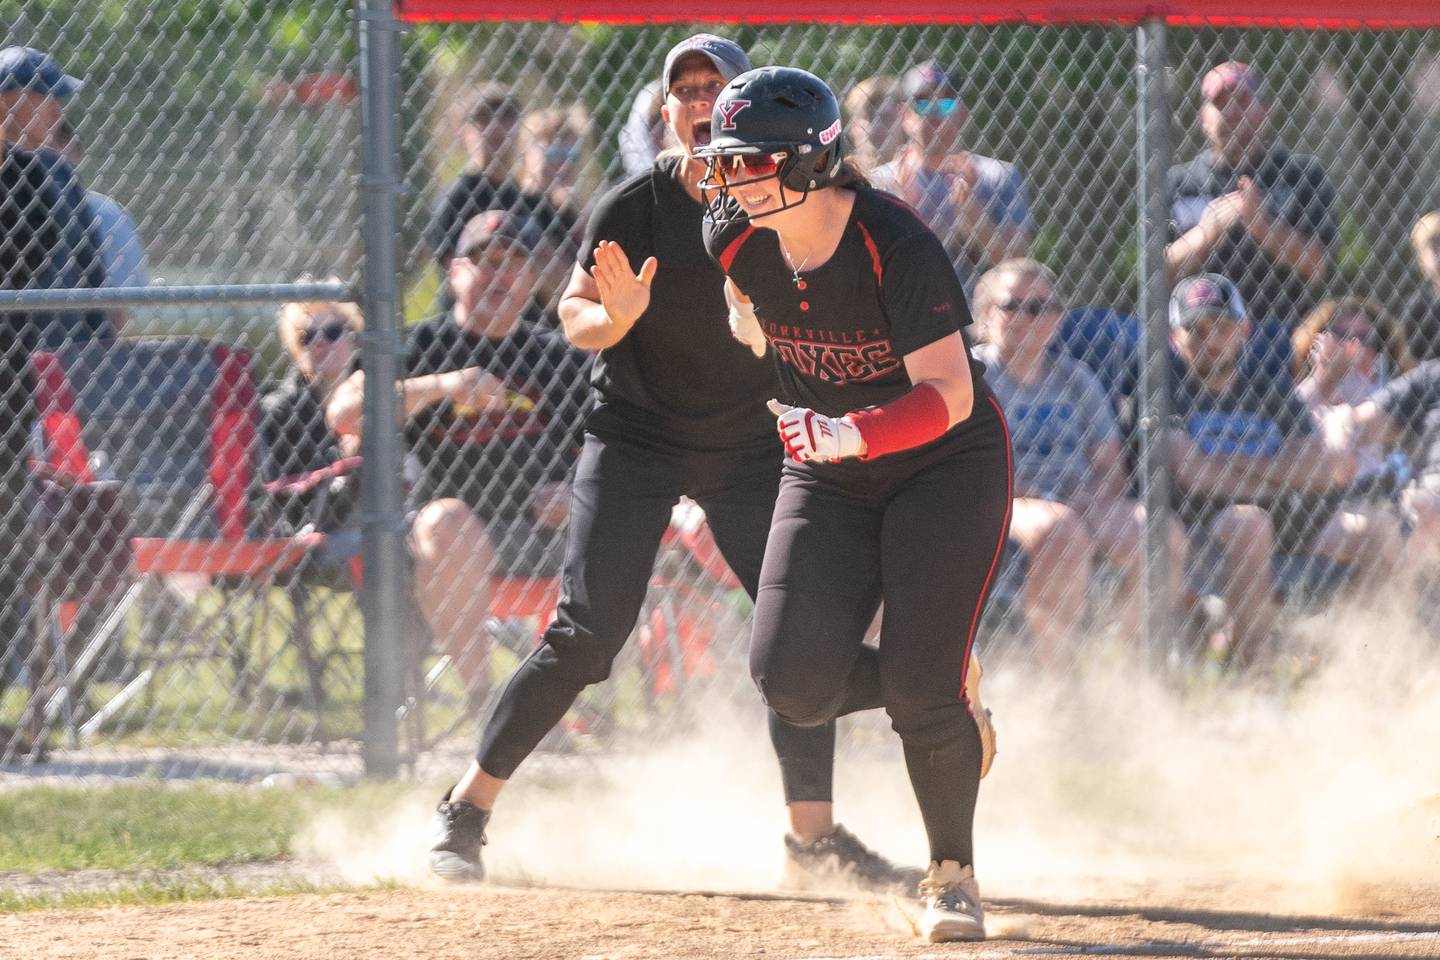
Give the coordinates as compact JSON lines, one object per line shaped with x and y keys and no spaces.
{"x":896,"y":485}
{"x":680,"y":410}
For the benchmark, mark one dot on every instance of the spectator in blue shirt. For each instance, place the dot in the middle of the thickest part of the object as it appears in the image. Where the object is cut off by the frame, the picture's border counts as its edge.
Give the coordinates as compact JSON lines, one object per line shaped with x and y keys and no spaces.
{"x":977,"y":205}
{"x":33,"y":89}
{"x":1246,"y":460}
{"x":1072,"y":506}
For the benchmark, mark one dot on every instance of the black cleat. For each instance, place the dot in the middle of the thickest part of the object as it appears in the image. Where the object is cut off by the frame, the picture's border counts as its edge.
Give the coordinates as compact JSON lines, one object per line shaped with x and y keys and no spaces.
{"x":840,"y":859}
{"x":457,"y":832}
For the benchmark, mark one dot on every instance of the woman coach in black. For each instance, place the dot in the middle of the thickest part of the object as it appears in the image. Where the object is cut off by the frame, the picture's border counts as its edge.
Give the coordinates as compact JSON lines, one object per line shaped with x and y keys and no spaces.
{"x":681,"y":410}
{"x":897,"y":480}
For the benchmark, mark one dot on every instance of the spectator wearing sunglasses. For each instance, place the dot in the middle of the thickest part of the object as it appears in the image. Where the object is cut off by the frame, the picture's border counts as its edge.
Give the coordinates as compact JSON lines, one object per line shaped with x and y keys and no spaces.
{"x":977,"y":205}
{"x":1071,"y":506}
{"x":491,"y":401}
{"x":320,"y":339}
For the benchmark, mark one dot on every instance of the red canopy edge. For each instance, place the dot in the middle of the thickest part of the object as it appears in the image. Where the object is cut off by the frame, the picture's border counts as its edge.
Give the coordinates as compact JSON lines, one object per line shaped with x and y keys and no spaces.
{"x":1286,"y":14}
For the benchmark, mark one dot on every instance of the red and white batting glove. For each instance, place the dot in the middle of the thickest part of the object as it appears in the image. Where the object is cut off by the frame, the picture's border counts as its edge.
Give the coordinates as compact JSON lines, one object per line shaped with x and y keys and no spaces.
{"x":808,"y":435}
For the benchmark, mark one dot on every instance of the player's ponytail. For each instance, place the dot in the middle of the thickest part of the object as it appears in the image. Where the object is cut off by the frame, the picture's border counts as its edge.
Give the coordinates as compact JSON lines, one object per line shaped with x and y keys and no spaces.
{"x":850,"y":175}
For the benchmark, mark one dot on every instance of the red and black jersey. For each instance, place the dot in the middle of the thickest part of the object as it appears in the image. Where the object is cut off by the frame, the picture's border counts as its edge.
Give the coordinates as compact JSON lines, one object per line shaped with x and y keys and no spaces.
{"x":840,"y":332}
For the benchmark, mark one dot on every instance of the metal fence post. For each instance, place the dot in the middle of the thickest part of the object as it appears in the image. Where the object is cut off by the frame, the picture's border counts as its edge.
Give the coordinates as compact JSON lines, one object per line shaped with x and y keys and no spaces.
{"x":383,"y":519}
{"x":1152,"y":158}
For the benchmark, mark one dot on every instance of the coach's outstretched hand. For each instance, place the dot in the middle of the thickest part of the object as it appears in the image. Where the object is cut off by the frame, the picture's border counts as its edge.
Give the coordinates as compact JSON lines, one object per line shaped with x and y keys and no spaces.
{"x":623,"y":293}
{"x":808,"y":435}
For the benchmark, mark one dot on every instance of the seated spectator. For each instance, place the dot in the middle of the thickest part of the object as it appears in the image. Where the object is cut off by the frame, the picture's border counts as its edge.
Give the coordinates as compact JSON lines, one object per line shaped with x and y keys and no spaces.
{"x":558,"y":166}
{"x":1422,"y":310}
{"x":491,"y":403}
{"x":320,"y":339}
{"x":1408,"y":408}
{"x":490,"y":134}
{"x":35,"y":254}
{"x":1344,"y":350}
{"x":1247,"y":208}
{"x":33,"y":88}
{"x":1247,"y":464}
{"x":875,"y":109}
{"x":977,"y":205}
{"x":1071,"y":505}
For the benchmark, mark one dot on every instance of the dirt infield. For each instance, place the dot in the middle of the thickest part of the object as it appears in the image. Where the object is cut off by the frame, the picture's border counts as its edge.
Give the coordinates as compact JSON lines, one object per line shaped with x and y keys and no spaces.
{"x":558,"y":924}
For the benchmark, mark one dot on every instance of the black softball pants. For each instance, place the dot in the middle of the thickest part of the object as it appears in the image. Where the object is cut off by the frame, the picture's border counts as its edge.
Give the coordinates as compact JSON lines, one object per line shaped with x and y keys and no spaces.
{"x":623,"y":492}
{"x":927,"y":543}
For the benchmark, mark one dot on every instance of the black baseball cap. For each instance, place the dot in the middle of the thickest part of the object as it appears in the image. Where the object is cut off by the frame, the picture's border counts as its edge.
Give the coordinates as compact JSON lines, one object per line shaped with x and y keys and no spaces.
{"x":492,"y":226}
{"x":25,"y":68}
{"x":727,"y":56}
{"x":928,"y":79}
{"x":1205,"y":294}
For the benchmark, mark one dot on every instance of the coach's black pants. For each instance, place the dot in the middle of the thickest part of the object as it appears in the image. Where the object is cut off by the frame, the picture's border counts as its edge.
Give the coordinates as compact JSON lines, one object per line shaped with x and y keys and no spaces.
{"x":925,"y":540}
{"x":623,"y":493}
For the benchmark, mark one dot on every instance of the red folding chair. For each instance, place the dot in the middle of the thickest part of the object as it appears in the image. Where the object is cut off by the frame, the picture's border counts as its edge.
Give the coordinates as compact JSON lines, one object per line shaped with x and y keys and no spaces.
{"x":172,"y":421}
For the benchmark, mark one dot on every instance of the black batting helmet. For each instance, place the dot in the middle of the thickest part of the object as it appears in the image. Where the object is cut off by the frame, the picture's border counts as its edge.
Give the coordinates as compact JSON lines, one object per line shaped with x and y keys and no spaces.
{"x":773,"y":123}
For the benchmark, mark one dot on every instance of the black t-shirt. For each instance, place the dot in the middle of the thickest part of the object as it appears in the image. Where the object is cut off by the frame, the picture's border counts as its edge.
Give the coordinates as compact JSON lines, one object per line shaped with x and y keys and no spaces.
{"x":678,"y":376}
{"x":296,"y":439}
{"x":495,"y":461}
{"x":474,"y":193}
{"x":1413,"y":401}
{"x":1297,"y":194}
{"x":840,"y":342}
{"x":293,"y":431}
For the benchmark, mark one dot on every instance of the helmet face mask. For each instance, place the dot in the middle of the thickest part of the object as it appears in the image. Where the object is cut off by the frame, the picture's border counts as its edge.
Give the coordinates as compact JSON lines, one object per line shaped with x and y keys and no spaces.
{"x":775,"y":123}
{"x":728,"y":172}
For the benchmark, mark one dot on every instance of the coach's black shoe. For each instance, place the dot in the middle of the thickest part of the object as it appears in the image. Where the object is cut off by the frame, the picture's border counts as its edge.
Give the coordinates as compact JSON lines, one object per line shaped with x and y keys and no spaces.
{"x":457,"y":832}
{"x":840,"y":859}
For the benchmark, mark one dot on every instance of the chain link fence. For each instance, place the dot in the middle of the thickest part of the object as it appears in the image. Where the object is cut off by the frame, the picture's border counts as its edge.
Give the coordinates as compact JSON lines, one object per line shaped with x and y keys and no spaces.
{"x":221,"y":629}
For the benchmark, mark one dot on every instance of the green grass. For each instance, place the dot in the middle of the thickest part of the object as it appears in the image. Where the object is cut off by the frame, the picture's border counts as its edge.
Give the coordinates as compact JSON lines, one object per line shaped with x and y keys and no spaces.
{"x":149,"y":894}
{"x":144,"y":827}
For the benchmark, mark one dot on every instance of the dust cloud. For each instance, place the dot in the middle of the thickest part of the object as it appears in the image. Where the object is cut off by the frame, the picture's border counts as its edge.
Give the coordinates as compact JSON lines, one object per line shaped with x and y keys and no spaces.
{"x":1321,"y":793}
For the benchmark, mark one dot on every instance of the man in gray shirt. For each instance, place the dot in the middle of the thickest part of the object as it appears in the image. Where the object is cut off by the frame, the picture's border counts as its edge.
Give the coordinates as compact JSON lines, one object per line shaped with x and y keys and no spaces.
{"x":1071,"y":491}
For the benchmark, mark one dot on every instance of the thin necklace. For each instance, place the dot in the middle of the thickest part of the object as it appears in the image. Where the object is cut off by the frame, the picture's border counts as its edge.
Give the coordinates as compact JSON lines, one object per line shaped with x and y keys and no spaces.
{"x":794,"y":267}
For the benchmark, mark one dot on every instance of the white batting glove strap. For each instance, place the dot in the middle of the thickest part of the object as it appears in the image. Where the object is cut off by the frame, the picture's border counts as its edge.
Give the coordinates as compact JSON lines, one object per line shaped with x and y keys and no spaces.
{"x":744,"y":326}
{"x":808,"y":435}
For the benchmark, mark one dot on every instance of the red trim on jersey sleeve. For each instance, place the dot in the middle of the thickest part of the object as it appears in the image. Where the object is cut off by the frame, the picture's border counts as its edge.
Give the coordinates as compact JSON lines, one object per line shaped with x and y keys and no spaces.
{"x":727,"y":256}
{"x":908,"y":421}
{"x":874,"y":254}
{"x":895,"y":201}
